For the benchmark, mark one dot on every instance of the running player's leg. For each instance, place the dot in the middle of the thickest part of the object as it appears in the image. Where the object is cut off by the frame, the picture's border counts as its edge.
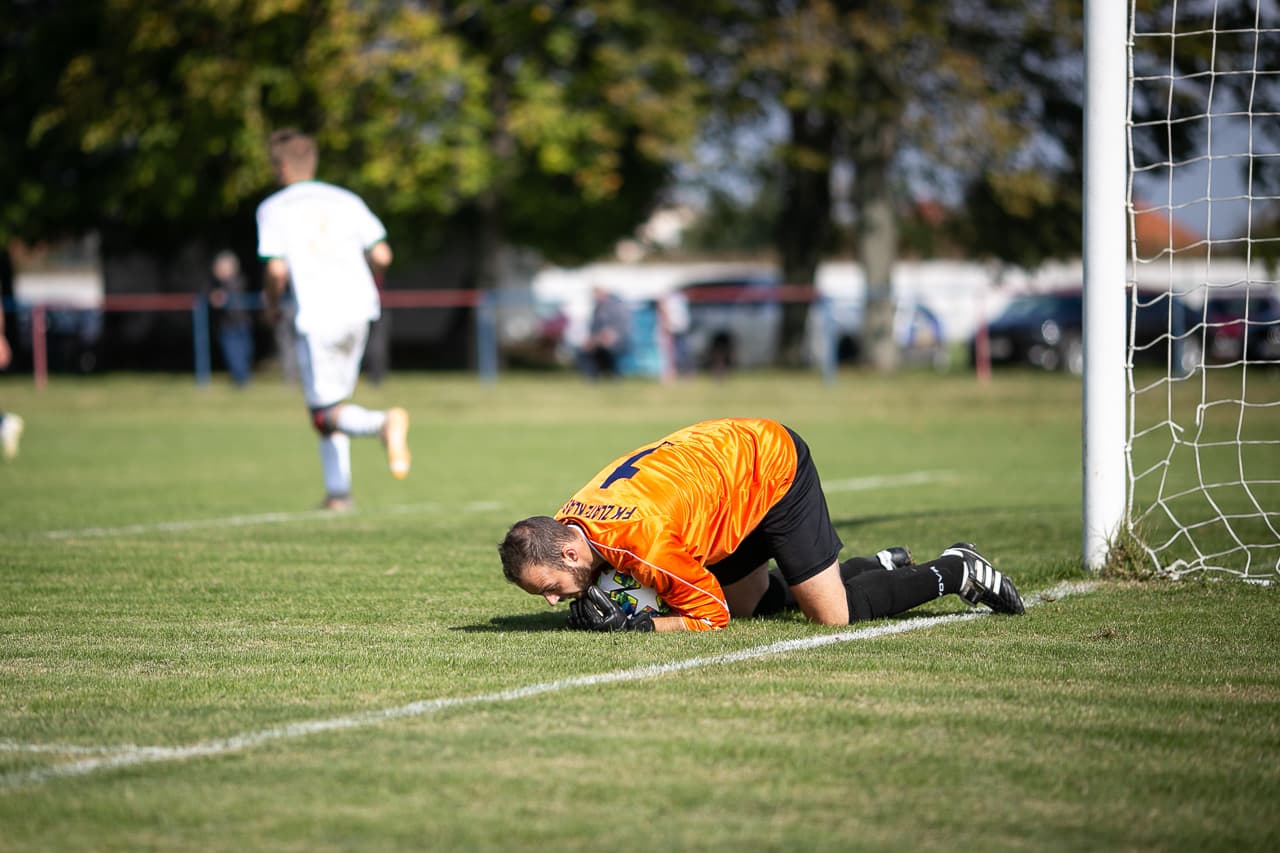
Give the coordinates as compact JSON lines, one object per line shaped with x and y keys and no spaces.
{"x":330,"y":368}
{"x":335,"y":463}
{"x":391,"y":425}
{"x":326,"y":374}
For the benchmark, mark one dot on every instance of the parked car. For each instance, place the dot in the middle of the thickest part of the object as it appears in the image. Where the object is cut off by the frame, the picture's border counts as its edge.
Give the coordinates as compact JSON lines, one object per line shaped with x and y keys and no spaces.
{"x":1046,"y":330}
{"x":916,"y":328}
{"x":1243,"y":324}
{"x":734,"y":321}
{"x":737,"y":322}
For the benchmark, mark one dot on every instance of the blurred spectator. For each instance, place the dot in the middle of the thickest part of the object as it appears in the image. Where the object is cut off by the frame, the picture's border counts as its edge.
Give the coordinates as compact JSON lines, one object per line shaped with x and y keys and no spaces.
{"x":228,"y":296}
{"x":673,"y":315}
{"x":10,"y":424}
{"x":608,"y":337}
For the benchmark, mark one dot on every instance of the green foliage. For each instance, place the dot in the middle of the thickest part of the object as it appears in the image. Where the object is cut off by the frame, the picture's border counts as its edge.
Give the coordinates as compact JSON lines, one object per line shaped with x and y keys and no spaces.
{"x":908,"y":95}
{"x":591,"y":104}
{"x":729,"y":225}
{"x":1021,"y":219}
{"x":560,"y":124}
{"x":153,"y":118}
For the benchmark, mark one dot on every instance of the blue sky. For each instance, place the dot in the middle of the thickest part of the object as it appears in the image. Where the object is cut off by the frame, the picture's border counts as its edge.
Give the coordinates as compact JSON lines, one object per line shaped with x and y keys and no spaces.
{"x":1208,"y":194}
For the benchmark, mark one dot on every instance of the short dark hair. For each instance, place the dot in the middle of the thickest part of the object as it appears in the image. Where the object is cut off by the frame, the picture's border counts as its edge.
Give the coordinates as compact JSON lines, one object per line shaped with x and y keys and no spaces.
{"x":533,"y":541}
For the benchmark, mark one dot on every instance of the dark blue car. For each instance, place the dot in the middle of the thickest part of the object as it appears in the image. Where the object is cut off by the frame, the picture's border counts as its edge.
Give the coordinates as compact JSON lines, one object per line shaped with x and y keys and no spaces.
{"x":1046,"y":330}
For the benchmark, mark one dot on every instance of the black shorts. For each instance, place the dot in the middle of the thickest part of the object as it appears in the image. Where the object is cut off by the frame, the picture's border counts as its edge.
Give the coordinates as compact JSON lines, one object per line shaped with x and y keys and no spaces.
{"x":796,"y":532}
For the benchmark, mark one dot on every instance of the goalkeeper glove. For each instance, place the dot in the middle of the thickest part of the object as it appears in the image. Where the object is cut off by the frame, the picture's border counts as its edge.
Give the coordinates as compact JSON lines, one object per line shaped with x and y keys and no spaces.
{"x":596,"y":611}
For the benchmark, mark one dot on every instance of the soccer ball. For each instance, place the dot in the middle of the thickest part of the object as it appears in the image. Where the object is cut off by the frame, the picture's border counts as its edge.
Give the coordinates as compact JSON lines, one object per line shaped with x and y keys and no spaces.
{"x":630,"y":595}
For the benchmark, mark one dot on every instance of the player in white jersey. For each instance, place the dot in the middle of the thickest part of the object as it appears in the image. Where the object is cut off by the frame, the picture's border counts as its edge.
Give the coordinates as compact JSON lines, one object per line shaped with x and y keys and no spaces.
{"x":325,"y":241}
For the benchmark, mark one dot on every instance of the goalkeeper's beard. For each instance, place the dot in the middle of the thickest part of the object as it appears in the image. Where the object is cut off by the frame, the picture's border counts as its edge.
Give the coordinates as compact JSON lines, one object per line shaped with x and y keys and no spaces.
{"x":583,"y":578}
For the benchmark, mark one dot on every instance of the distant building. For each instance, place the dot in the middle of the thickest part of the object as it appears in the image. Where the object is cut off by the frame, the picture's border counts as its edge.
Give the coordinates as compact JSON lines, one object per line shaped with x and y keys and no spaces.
{"x":1158,"y":234}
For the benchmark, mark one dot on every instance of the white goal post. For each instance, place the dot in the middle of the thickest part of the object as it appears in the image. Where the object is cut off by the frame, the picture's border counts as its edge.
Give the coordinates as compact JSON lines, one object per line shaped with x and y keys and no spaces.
{"x":1183,"y":461}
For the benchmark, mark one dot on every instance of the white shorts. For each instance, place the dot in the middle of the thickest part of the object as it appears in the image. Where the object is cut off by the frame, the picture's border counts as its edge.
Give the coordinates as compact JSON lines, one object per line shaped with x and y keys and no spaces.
{"x":329,"y":363}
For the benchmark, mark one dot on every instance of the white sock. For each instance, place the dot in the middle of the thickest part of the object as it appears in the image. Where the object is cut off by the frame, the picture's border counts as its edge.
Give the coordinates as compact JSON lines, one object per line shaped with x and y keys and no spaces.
{"x":357,"y":420}
{"x":335,"y":459}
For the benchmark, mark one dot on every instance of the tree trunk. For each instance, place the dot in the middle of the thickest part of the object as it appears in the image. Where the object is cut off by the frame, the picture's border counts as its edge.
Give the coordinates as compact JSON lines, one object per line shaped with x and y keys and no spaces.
{"x":804,"y":224}
{"x":877,"y":242}
{"x":490,"y":231}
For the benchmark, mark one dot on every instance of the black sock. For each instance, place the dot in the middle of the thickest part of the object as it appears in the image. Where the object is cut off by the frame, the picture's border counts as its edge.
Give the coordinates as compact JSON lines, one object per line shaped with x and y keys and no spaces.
{"x":875,"y":594}
{"x":855,"y":566}
{"x":952,"y":571}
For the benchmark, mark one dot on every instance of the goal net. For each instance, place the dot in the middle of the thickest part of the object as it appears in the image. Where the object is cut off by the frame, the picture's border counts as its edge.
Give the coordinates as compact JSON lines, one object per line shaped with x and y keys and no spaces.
{"x":1203,"y":423}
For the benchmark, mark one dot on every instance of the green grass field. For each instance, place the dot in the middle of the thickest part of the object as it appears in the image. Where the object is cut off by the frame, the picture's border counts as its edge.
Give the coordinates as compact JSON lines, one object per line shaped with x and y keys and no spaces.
{"x":192,"y":658}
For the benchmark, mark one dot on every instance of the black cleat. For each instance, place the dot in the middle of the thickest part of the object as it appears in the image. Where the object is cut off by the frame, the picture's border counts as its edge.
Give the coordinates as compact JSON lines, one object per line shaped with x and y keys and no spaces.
{"x":983,"y":584}
{"x":896,"y":557}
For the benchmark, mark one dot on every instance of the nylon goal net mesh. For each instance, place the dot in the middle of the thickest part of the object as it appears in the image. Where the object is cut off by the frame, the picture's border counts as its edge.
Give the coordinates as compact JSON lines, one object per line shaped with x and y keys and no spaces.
{"x":1203,"y":444}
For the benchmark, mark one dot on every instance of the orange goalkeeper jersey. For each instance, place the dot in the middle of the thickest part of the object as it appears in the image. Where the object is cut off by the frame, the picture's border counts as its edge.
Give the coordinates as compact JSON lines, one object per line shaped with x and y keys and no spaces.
{"x":668,"y":510}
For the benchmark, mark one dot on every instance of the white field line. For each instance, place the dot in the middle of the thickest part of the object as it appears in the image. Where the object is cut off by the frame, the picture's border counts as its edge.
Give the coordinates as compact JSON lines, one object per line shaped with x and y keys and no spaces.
{"x":857,"y":484}
{"x":862,"y":484}
{"x":249,"y":520}
{"x":129,"y":755}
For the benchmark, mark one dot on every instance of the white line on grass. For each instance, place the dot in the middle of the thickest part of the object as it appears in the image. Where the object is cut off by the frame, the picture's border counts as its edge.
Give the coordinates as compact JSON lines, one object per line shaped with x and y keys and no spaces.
{"x":248,"y":520}
{"x":128,"y":755}
{"x":57,"y":748}
{"x":857,"y":484}
{"x":862,"y":484}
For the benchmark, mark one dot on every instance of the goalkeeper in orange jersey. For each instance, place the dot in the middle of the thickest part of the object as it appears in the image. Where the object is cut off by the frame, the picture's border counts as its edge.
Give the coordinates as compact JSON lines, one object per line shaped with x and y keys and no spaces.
{"x":699,"y":514}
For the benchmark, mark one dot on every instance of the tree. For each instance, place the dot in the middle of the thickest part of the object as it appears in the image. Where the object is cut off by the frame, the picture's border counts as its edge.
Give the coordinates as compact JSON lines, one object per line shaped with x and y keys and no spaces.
{"x":1022,"y":205}
{"x":1027,"y":208}
{"x":150,"y":119}
{"x":36,"y":174}
{"x":155,"y":116}
{"x":907,"y":93}
{"x":589,"y":105}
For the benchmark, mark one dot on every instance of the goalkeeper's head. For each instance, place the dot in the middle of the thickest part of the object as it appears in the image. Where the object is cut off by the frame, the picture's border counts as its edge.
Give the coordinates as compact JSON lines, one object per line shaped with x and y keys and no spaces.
{"x":544,"y":557}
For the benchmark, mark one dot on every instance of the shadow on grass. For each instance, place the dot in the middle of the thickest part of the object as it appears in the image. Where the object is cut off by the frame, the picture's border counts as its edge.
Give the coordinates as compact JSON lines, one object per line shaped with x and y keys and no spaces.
{"x":556,"y":621}
{"x":951,"y":514}
{"x":549,"y":621}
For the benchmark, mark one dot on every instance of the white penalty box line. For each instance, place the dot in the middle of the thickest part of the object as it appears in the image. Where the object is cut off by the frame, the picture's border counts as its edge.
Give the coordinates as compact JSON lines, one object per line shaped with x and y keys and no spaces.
{"x":103,"y":758}
{"x":183,"y":526}
{"x":910,"y":478}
